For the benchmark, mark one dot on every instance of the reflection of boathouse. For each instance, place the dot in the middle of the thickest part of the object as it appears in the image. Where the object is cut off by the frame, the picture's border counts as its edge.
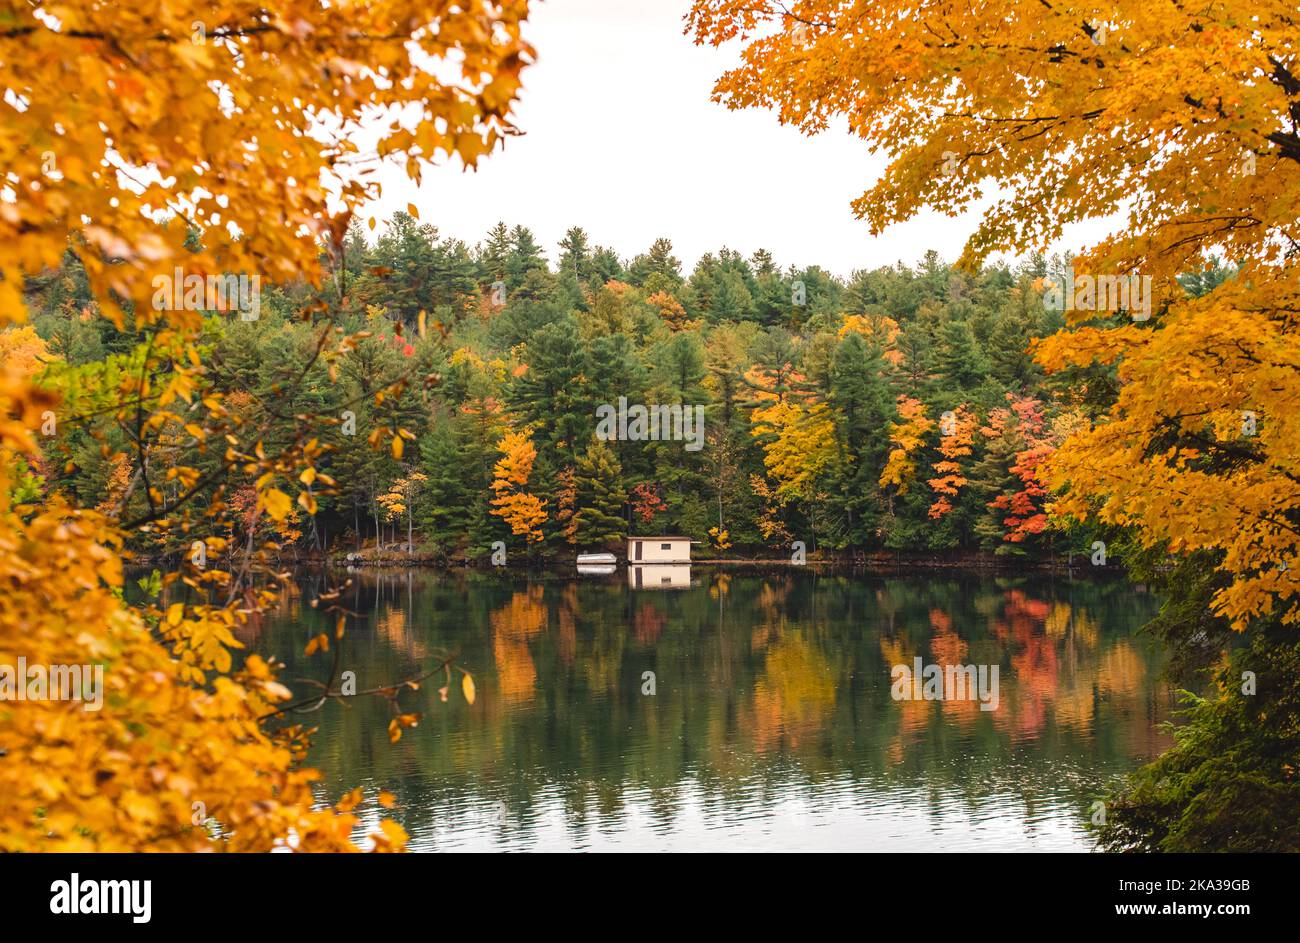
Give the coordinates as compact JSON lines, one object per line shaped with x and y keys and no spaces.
{"x":659,"y":562}
{"x":659,"y":576}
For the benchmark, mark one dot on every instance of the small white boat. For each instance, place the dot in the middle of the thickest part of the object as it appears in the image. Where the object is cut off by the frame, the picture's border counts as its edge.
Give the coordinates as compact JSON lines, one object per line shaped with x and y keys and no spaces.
{"x":596,"y":559}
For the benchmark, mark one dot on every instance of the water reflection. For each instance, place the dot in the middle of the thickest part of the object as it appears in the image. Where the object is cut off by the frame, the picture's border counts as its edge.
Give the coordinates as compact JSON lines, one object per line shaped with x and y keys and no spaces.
{"x":659,"y":576}
{"x":771,"y":724}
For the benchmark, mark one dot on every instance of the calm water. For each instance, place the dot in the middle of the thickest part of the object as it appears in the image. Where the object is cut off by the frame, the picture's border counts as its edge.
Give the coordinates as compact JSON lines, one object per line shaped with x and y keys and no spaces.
{"x":772,"y":725}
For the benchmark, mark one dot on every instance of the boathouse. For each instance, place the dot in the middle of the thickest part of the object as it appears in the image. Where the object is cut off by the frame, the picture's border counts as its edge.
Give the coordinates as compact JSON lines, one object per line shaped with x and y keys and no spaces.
{"x":659,"y":549}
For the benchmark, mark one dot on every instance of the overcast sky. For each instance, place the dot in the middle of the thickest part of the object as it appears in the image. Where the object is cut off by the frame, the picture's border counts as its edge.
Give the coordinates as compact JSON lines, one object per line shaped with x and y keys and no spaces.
{"x":622,"y":139}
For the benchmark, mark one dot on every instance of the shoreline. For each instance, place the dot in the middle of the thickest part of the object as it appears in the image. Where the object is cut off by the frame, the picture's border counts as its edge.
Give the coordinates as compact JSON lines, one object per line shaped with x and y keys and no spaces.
{"x":873,"y":562}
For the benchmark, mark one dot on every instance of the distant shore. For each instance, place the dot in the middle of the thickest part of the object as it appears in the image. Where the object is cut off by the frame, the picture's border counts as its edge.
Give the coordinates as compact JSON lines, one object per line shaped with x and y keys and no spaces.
{"x":878,"y":561}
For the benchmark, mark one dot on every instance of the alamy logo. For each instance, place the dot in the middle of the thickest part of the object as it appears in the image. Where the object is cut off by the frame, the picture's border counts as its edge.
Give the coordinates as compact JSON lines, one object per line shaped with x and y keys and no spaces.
{"x":102,"y":897}
{"x":639,"y":423}
{"x":194,"y":292}
{"x":24,"y":682}
{"x":1131,"y":293}
{"x":924,"y":682}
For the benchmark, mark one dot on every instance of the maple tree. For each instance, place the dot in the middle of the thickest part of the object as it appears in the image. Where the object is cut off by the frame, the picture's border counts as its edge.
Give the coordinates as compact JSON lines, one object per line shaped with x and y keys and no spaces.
{"x":147,"y":141}
{"x":1184,"y":120}
{"x":1067,"y":120}
{"x":906,"y":437}
{"x":1024,"y":508}
{"x":522,"y":510}
{"x":798,"y":444}
{"x":646,"y":502}
{"x":670,"y":309}
{"x":957,"y":430}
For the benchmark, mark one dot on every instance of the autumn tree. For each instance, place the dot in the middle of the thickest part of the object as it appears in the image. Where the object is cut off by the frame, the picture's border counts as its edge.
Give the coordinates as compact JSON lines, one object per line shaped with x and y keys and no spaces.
{"x":956,"y":438}
{"x":215,"y":143}
{"x":400,"y":499}
{"x":512,"y":502}
{"x":1185,"y":120}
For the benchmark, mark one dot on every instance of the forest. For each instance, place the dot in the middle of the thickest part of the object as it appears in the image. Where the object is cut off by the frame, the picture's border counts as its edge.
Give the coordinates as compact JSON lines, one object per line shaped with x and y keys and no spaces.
{"x":897,"y":410}
{"x":335,"y":383}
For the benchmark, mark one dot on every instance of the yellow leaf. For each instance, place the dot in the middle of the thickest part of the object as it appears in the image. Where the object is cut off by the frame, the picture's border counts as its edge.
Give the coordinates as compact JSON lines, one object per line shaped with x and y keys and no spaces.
{"x":278,"y":504}
{"x":350,"y":801}
{"x":467,"y":686}
{"x":397,"y":447}
{"x":393,"y":836}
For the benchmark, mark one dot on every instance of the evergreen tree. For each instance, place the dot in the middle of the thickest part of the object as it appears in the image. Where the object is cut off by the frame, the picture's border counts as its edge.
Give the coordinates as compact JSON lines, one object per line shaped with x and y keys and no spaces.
{"x":493,"y":253}
{"x":658,"y":269}
{"x":449,"y":494}
{"x":606,"y":266}
{"x":600,"y":497}
{"x":860,"y":396}
{"x":959,"y":361}
{"x":552,"y":394}
{"x":523,"y":258}
{"x":575,"y":255}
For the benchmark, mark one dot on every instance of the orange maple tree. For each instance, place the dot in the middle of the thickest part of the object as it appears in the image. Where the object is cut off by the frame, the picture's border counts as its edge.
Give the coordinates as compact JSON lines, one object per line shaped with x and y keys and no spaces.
{"x":523,"y":511}
{"x":156,"y":140}
{"x":957,"y":435}
{"x":1186,"y":120}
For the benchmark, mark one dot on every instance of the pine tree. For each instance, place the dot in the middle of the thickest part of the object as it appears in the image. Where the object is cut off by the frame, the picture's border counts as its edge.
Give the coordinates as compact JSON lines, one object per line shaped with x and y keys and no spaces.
{"x":525,"y":256}
{"x":552,"y":394}
{"x":606,"y":266}
{"x":575,"y":255}
{"x":493,"y":253}
{"x":444,"y":514}
{"x":598,"y":478}
{"x":959,"y":361}
{"x":864,"y":408}
{"x":658,"y":269}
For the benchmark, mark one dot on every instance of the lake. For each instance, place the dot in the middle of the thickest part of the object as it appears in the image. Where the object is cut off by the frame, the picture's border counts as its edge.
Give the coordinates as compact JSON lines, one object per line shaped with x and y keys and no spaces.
{"x":772,"y":723}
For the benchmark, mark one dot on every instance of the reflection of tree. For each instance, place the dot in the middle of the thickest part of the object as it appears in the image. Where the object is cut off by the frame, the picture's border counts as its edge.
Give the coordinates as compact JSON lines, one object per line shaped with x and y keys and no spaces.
{"x":770,"y":618}
{"x":391,"y":627}
{"x":767,"y":687}
{"x":647,"y":623}
{"x":513,"y":625}
{"x":946,"y":646}
{"x":1122,"y":673}
{"x":794,"y":694}
{"x":772,"y":599}
{"x":1057,"y":622}
{"x":913,"y":715}
{"x":567,"y":628}
{"x":1033,"y":659}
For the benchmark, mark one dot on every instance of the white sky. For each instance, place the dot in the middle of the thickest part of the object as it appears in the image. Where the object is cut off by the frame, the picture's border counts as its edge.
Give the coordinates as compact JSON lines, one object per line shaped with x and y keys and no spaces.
{"x":622,"y":139}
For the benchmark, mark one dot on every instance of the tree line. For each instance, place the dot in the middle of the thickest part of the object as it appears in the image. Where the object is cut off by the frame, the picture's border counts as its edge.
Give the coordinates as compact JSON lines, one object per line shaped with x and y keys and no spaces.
{"x":899,"y":409}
